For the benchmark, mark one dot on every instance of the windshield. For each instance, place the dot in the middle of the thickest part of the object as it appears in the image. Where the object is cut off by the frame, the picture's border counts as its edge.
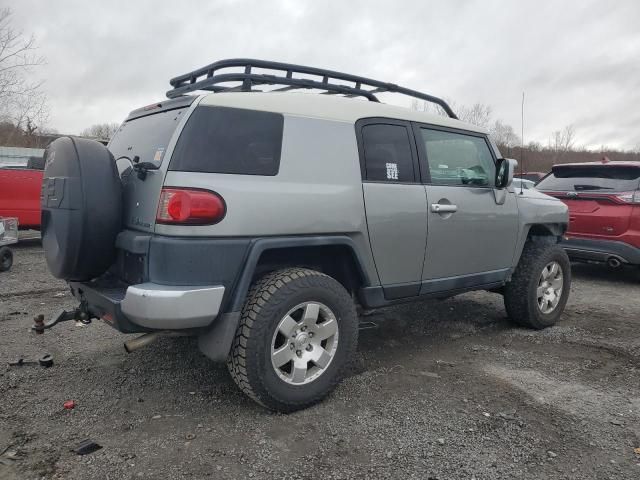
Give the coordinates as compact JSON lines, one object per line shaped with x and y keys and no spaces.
{"x":146,"y":137}
{"x":591,"y":178}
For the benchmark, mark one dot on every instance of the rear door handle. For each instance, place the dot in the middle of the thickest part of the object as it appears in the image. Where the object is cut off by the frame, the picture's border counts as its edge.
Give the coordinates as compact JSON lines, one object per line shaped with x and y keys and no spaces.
{"x":443,"y":208}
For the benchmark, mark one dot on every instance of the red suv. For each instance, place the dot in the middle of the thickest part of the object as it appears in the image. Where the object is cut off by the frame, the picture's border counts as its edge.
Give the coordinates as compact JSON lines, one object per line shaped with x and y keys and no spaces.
{"x":604,"y":209}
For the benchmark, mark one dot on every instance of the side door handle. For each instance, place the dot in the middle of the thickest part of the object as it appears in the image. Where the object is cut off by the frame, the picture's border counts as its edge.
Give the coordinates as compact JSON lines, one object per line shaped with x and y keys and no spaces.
{"x":443,"y":208}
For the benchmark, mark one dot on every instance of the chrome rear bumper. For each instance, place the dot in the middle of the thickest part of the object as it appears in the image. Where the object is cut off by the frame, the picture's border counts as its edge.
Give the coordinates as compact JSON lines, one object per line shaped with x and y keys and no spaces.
{"x":169,"y":307}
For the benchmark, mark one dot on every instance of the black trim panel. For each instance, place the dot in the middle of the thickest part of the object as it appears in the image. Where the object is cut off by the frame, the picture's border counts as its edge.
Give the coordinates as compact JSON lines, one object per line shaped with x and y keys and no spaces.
{"x":373,"y":297}
{"x":600,"y":250}
{"x":401,"y":290}
{"x":165,"y":260}
{"x":103,"y":297}
{"x":260,"y":245}
{"x":463,"y":281}
{"x":230,"y":262}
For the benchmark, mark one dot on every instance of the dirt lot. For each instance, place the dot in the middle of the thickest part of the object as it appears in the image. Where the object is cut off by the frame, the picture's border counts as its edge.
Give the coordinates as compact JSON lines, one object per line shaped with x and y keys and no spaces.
{"x":440,"y":390}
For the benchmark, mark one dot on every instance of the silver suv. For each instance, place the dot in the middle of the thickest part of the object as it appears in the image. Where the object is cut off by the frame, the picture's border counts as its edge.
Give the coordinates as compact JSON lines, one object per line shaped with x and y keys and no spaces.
{"x":261,"y":221}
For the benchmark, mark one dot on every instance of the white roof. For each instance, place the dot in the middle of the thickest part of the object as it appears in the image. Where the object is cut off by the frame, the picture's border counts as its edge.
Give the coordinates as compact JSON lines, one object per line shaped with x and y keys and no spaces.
{"x":329,"y":107}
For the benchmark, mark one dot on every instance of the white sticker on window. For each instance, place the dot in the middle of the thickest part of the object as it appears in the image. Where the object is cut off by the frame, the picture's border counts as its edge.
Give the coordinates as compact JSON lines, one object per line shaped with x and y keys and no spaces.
{"x":158,"y":156}
{"x":392,"y":171}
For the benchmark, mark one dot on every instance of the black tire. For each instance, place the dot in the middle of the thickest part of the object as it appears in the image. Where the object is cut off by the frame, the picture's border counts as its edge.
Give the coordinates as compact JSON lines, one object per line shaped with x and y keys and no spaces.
{"x":268,"y":302}
{"x":6,"y":259}
{"x":81,"y":208}
{"x":520,"y":294}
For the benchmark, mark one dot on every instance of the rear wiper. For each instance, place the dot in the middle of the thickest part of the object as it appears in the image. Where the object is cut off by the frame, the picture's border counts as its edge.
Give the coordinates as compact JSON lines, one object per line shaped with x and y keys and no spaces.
{"x":142,"y":168}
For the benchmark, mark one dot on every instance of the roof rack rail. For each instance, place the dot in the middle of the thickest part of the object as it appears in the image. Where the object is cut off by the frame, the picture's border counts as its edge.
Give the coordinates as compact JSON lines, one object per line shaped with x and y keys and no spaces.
{"x":210,"y":78}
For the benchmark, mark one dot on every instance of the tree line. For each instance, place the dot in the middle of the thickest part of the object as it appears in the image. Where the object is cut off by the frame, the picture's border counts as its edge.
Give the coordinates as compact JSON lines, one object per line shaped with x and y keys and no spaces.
{"x":534,"y":156}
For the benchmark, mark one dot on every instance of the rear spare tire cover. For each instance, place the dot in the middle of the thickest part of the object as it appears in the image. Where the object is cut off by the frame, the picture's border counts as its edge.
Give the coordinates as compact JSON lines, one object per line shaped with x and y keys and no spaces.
{"x":81,"y":208}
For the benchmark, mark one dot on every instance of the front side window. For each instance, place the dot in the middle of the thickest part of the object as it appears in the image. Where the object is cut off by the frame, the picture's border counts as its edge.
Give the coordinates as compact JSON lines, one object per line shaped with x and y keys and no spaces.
{"x":458,"y":159}
{"x":229,"y":140}
{"x":387,"y":153}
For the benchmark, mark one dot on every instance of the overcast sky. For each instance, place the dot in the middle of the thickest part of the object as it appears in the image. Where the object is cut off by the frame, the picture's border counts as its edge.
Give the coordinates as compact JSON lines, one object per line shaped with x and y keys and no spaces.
{"x":578,"y":62}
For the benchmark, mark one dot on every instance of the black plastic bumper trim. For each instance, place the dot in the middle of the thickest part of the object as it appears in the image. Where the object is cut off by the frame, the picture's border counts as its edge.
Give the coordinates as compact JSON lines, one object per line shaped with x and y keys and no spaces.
{"x":104,"y":303}
{"x":600,"y":250}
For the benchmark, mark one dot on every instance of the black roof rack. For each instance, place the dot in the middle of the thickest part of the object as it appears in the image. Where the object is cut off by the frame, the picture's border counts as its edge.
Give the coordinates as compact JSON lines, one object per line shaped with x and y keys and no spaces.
{"x":211,"y":78}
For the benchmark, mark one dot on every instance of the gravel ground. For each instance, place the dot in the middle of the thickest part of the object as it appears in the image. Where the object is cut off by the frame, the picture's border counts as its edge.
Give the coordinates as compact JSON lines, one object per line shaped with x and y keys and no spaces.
{"x":440,"y":390}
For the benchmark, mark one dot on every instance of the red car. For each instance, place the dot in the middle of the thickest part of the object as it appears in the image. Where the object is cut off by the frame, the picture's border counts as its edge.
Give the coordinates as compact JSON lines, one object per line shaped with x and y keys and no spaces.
{"x":20,"y":195}
{"x":604,"y":209}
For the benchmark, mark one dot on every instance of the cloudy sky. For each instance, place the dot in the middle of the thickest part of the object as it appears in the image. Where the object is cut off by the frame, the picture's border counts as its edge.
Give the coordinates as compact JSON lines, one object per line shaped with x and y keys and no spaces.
{"x":577,"y":61}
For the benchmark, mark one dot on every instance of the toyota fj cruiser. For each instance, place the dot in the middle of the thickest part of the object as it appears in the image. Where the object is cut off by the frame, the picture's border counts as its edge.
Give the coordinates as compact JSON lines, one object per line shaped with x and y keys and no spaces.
{"x":259,"y":221}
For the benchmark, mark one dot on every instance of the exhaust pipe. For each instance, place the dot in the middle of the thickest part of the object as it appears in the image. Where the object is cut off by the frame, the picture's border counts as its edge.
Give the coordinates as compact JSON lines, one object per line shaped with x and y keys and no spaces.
{"x":148,"y":338}
{"x":613,"y":262}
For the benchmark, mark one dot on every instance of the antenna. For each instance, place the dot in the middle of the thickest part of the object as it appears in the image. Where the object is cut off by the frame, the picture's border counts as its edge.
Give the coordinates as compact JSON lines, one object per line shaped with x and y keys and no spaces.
{"x":522,"y":145}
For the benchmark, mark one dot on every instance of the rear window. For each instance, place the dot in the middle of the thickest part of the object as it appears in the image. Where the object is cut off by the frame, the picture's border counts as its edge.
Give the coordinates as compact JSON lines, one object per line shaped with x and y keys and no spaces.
{"x":229,"y":140}
{"x":146,"y":137}
{"x":591,"y":178}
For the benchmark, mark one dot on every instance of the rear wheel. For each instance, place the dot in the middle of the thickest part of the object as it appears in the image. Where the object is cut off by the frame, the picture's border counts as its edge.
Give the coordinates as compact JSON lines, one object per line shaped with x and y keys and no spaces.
{"x":6,"y":259}
{"x":297,"y":334}
{"x":538,"y":291}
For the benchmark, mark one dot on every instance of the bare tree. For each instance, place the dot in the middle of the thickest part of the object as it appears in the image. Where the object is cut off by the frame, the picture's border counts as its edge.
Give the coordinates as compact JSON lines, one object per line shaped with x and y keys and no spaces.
{"x":102,"y":131}
{"x":478,"y":114}
{"x":562,"y":141}
{"x":429,"y":107}
{"x":21,"y":99}
{"x":504,"y":135}
{"x":433,"y":108}
{"x":534,"y":147}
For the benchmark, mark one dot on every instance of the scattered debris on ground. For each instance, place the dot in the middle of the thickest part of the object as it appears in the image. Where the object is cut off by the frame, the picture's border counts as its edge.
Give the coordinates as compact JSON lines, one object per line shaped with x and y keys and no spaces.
{"x":442,"y":389}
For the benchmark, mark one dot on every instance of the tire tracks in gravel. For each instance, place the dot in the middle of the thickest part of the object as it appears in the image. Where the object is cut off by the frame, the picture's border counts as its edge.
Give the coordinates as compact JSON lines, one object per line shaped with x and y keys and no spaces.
{"x":34,"y":292}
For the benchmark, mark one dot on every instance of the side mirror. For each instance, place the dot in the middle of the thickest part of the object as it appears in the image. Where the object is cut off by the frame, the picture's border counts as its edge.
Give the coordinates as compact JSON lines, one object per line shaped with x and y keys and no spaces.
{"x":505,"y":169}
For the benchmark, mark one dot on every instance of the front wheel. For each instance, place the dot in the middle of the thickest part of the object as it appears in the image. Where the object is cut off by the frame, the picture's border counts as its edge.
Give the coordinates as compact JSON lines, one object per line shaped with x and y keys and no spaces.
{"x":297,"y":334}
{"x":539,"y":288}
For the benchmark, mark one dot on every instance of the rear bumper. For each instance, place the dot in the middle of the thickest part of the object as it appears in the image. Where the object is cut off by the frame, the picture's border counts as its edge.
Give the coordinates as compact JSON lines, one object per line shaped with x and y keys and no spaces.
{"x":149,"y":306}
{"x":165,"y":283}
{"x":600,"y":250}
{"x":168,"y":307}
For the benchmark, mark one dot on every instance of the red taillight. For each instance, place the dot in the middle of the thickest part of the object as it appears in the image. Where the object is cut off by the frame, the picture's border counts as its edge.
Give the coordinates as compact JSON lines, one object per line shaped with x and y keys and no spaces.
{"x":190,"y":207}
{"x":629,"y":197}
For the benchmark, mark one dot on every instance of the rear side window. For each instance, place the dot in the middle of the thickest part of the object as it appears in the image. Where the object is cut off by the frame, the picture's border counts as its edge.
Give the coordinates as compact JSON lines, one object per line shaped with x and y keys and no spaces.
{"x":387,"y":153}
{"x":591,"y":178}
{"x":229,"y":140}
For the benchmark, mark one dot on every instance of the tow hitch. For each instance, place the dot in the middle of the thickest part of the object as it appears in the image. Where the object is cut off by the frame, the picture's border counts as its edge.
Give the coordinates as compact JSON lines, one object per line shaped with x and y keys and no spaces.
{"x":79,"y":314}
